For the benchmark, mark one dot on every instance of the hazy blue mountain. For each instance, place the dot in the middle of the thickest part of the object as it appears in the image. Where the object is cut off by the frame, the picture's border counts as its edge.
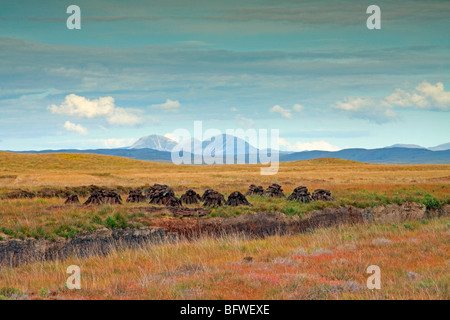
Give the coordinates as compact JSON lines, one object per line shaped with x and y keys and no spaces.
{"x":383,"y":155}
{"x":158,"y":148}
{"x":226,"y":144}
{"x":441,"y":147}
{"x":154,"y":142}
{"x":412,"y":146}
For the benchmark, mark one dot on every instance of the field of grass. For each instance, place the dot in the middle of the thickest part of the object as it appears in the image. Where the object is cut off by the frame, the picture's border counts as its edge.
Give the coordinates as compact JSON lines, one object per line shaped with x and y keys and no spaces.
{"x":351,"y":183}
{"x":324,"y":264}
{"x":36,"y":170}
{"x":414,"y":260}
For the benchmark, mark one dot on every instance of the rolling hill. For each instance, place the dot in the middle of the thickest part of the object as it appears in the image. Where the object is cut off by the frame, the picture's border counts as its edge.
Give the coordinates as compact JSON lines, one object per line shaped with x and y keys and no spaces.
{"x":380,"y":156}
{"x":158,"y":148}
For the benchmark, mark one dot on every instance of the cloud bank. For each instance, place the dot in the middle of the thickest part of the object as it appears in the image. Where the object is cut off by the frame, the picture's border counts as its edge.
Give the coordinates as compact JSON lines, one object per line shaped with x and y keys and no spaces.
{"x":81,"y":107}
{"x":425,"y":96}
{"x":308,"y":146}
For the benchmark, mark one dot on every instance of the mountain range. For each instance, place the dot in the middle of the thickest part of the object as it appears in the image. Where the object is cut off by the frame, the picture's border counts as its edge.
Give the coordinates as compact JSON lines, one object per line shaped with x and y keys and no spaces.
{"x":441,"y":147}
{"x":162,"y":143}
{"x":158,"y":148}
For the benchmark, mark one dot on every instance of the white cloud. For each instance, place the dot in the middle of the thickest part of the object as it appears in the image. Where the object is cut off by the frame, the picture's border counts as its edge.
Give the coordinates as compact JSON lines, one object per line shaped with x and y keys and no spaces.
{"x":122,"y":117}
{"x":307,"y":146}
{"x":426,"y":96}
{"x":169,"y":105}
{"x":365,"y":108}
{"x":286,"y":113}
{"x":298,"y":107}
{"x":354,"y":104}
{"x":81,"y":107}
{"x":69,"y":126}
{"x":113,"y":142}
{"x":234,"y":109}
{"x":245,"y":122}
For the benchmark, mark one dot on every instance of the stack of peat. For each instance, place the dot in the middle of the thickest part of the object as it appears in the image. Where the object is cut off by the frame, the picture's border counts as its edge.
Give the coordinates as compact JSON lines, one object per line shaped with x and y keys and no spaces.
{"x":164,"y":195}
{"x":236,"y":199}
{"x":72,"y":199}
{"x":322,"y":195}
{"x":301,"y":194}
{"x":274,"y":191}
{"x":96,"y":197}
{"x":255,"y":190}
{"x":136,"y":196}
{"x":190,"y":197}
{"x":212,"y":198}
{"x":101,"y":197}
{"x":112,"y":197}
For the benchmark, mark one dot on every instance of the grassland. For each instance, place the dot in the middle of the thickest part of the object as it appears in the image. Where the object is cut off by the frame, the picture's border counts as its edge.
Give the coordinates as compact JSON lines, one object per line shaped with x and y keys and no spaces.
{"x":35,"y":170}
{"x":351,"y":183}
{"x":325,"y":264}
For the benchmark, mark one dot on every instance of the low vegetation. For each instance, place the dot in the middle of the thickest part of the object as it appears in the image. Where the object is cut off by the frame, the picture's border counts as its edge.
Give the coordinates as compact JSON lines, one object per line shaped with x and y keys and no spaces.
{"x":49,"y":178}
{"x":324,"y":264}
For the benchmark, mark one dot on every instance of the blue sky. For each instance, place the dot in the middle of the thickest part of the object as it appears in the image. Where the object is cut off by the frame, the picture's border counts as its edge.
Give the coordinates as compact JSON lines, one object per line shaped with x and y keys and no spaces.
{"x":309,"y":68}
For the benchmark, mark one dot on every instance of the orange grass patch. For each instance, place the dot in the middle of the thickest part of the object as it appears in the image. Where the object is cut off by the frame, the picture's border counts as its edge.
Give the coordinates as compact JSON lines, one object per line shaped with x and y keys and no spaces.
{"x":326,"y":264}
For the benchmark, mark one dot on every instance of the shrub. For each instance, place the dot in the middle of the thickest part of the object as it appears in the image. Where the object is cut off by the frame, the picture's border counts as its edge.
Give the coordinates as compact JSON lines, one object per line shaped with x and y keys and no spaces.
{"x":116,"y":221}
{"x":9,"y":292}
{"x":65,"y":231}
{"x":431,"y":202}
{"x":408,"y":226}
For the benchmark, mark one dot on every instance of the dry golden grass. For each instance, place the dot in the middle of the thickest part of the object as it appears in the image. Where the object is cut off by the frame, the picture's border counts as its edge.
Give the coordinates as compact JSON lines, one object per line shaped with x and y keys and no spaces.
{"x":326,"y":264}
{"x":31,"y":170}
{"x":351,"y":183}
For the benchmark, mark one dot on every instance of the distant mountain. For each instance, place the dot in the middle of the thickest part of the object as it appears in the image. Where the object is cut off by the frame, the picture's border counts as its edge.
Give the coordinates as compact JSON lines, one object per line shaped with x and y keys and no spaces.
{"x":441,"y":147}
{"x":218,"y":145}
{"x":159,"y":148}
{"x":383,"y":155}
{"x":412,"y":146}
{"x":226,"y":144}
{"x":154,"y":142}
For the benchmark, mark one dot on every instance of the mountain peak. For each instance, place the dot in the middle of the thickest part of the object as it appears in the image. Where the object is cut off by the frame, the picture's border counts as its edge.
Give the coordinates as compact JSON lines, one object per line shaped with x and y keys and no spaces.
{"x":409,"y":146}
{"x":441,"y":147}
{"x":155,"y":142}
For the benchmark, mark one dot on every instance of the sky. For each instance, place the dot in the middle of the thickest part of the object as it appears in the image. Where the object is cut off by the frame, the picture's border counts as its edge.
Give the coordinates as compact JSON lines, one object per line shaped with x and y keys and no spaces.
{"x":311,"y":69}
